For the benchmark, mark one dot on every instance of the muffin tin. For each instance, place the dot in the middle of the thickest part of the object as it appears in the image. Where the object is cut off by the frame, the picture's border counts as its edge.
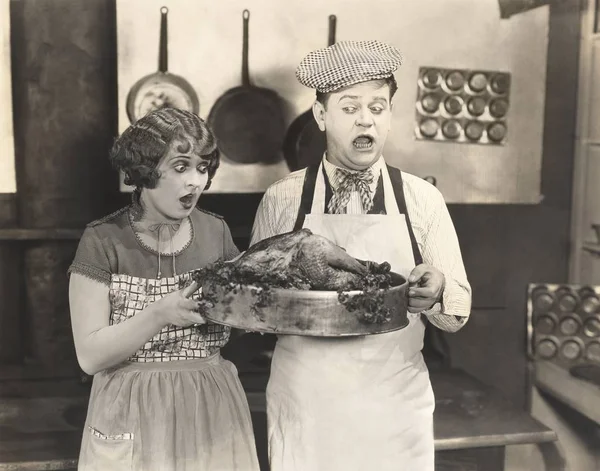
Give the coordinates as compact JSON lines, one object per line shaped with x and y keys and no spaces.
{"x":564,"y":323}
{"x":462,"y":105}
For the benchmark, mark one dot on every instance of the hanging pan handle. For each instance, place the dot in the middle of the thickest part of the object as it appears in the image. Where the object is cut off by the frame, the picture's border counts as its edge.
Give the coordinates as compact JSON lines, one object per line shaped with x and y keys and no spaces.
{"x":245,"y":73}
{"x":163,"y":61}
{"x":332,"y":24}
{"x":431,"y":179}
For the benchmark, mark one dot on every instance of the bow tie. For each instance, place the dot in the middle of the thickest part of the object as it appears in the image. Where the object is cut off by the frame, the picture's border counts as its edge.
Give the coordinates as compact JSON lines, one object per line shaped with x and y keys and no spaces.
{"x":158,"y":226}
{"x":351,"y":181}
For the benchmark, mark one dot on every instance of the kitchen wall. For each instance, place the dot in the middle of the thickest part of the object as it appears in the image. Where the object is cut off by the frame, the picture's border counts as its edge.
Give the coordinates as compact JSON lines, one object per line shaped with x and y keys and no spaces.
{"x":66,"y":109}
{"x":205,"y":46}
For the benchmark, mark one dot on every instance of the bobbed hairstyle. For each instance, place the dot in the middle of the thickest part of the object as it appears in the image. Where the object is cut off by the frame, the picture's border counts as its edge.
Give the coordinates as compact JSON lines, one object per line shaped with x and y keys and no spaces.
{"x":139,"y":149}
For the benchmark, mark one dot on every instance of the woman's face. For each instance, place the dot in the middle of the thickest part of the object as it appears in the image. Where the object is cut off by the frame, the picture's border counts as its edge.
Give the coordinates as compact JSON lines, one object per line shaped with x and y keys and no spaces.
{"x":183,"y":177}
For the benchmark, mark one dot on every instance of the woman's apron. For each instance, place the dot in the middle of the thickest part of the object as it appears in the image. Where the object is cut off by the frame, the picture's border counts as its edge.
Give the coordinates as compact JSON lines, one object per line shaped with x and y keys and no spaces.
{"x":359,"y":403}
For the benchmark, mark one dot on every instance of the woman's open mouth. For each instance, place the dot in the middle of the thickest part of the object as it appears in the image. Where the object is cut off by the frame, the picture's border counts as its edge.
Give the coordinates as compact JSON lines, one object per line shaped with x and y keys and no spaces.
{"x":187,"y":201}
{"x":363,"y":142}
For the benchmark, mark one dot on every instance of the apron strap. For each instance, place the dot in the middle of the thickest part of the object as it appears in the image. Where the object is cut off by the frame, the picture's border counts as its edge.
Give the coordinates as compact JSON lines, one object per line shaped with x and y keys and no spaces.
{"x":436,"y":349}
{"x":397,"y":184}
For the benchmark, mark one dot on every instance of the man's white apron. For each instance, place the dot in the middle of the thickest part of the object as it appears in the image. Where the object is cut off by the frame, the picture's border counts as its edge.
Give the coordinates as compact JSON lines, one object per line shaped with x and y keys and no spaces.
{"x":360,"y":403}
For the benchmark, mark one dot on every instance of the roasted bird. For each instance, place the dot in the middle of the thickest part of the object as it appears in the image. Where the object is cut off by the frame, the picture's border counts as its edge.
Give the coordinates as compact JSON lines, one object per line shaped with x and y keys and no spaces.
{"x":295,"y":262}
{"x":306,"y":257}
{"x":325,"y":265}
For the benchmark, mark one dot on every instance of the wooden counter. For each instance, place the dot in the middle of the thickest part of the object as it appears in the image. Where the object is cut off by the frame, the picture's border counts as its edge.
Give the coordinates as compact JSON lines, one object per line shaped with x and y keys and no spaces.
{"x":473,"y":425}
{"x":583,"y":396}
{"x":470,"y":414}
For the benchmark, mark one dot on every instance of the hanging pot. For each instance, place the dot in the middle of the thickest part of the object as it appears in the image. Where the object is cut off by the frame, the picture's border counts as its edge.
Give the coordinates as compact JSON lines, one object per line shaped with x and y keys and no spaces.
{"x":161,"y":89}
{"x":305,"y":143}
{"x":248,"y":121}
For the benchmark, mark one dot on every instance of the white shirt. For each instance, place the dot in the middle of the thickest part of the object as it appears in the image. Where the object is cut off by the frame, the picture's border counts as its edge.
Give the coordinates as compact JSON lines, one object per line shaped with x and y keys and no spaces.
{"x":429,"y":217}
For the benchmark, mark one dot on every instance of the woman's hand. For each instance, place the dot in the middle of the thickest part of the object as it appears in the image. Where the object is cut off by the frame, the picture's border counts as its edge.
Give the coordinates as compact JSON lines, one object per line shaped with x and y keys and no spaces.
{"x":178,"y":309}
{"x":99,"y":344}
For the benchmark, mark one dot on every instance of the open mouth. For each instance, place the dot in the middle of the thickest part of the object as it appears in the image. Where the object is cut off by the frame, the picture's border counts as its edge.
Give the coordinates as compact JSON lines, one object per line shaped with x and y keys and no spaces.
{"x":187,"y":201}
{"x":363,"y":142}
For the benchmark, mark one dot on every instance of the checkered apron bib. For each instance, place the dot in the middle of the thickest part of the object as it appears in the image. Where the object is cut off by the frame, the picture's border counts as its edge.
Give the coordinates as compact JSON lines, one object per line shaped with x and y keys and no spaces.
{"x":176,"y":405}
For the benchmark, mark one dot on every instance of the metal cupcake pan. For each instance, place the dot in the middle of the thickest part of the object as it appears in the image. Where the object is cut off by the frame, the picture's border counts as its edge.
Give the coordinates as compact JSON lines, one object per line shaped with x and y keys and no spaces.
{"x":462,"y":105}
{"x":564,"y":323}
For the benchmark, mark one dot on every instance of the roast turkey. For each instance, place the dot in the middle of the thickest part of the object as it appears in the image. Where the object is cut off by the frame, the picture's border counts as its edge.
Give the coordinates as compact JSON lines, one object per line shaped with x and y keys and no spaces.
{"x":307,"y":256}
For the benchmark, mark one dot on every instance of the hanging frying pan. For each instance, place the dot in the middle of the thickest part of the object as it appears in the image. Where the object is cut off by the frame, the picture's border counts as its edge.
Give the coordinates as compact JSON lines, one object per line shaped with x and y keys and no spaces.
{"x":161,"y":89}
{"x":304,"y":142}
{"x":248,"y":121}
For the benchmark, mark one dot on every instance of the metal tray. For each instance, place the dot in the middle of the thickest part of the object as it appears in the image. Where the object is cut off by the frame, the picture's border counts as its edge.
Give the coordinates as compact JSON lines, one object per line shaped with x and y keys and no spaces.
{"x":298,"y":312}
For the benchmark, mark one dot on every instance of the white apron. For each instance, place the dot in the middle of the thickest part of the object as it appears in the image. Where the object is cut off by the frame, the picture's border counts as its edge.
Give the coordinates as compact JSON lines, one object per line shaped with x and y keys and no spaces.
{"x":360,"y":403}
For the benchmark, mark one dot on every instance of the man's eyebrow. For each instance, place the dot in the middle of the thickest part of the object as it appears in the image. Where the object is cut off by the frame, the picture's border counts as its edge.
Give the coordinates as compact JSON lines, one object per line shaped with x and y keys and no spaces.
{"x":355,"y":97}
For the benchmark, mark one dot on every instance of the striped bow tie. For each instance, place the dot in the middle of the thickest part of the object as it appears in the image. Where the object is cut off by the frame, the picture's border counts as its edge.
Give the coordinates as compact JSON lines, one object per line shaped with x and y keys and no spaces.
{"x":351,"y":181}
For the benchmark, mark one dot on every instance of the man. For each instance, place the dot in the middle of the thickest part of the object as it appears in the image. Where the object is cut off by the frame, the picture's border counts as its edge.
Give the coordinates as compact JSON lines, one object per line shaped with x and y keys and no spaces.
{"x":361,"y":403}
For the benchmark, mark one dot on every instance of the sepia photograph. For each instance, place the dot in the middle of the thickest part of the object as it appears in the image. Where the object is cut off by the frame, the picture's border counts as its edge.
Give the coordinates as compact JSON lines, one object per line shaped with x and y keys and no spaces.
{"x":300,"y":236}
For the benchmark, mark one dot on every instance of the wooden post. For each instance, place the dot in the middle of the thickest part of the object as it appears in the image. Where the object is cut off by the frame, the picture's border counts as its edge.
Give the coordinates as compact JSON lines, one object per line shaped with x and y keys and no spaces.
{"x":11,"y":348}
{"x":64,"y":75}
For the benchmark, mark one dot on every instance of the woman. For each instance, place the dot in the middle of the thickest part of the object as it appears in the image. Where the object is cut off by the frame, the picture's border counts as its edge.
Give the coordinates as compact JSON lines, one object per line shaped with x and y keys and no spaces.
{"x":162,"y":397}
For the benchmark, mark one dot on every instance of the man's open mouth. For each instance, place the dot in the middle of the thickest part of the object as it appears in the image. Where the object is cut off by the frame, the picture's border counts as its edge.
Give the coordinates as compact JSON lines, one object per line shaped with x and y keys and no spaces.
{"x":363,"y":142}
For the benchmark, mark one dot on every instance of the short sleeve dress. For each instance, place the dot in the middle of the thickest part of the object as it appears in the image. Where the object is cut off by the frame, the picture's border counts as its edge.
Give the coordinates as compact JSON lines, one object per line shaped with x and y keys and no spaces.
{"x":176,"y":405}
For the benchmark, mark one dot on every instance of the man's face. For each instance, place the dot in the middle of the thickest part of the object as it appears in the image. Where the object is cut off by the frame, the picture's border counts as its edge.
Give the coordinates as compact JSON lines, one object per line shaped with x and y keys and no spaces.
{"x":356,"y":121}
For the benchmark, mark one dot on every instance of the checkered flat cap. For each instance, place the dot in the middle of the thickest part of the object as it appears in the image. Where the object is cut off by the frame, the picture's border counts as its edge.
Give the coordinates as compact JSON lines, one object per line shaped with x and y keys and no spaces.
{"x":347,"y":63}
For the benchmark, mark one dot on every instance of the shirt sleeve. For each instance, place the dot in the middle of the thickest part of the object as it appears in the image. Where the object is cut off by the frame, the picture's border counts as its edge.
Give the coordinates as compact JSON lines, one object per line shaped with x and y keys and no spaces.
{"x":230,"y":250}
{"x":441,"y":249}
{"x":264,"y":222}
{"x":91,"y":259}
{"x":278,"y":208}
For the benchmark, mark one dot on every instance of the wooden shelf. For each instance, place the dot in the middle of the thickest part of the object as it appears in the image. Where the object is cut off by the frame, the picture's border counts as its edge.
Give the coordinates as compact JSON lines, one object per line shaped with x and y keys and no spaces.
{"x":583,"y":396}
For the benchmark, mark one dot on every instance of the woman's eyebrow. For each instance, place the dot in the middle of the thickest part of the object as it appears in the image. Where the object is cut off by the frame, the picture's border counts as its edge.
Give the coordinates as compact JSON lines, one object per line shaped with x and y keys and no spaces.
{"x":178,"y":157}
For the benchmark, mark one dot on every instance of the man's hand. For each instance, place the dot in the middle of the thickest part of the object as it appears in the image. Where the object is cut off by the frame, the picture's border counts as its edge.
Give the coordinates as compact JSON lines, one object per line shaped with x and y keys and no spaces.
{"x":426,"y":285}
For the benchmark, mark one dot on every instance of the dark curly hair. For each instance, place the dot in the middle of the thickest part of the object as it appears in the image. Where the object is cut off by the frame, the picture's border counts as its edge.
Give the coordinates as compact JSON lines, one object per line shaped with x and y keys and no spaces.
{"x":138,"y":151}
{"x":390,"y":81}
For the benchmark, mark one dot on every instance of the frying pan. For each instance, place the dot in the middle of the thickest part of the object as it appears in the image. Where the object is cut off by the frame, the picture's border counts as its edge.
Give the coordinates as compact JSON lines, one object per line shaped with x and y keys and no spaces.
{"x":304,"y":142}
{"x":248,"y":121}
{"x":161,"y":89}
